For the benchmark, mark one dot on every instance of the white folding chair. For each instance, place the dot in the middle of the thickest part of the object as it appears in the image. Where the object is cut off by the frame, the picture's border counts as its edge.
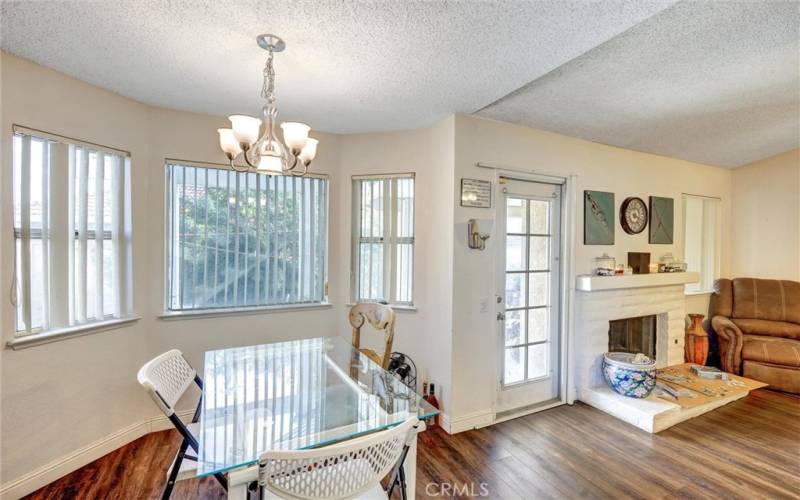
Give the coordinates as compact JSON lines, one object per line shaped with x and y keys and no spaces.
{"x":166,"y":377}
{"x":352,"y":469}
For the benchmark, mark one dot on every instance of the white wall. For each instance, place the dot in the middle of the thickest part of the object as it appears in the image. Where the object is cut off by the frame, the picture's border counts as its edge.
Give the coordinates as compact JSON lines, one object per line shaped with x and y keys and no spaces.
{"x":51,"y":401}
{"x":597,"y":167}
{"x":765,"y":241}
{"x":424,"y":334}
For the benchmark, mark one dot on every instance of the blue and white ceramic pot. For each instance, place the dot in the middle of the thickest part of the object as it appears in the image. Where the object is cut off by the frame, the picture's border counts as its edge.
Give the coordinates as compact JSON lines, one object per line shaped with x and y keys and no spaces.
{"x":627,"y":378}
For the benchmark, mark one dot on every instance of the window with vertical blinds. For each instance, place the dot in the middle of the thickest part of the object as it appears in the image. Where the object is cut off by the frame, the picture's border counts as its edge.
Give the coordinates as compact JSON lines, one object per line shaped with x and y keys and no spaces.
{"x":241,"y":239}
{"x":72,"y":233}
{"x":383,"y":238}
{"x":701,"y":240}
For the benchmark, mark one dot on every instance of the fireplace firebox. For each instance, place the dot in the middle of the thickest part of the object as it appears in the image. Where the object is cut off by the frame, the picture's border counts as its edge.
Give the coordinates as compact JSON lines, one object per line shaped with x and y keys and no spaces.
{"x":633,"y":335}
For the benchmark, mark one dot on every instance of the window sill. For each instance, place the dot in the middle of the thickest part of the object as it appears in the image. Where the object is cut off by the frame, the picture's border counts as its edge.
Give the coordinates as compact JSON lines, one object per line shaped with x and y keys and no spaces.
{"x":395,"y":307}
{"x":56,"y":335}
{"x":701,"y":292}
{"x":240,"y":311}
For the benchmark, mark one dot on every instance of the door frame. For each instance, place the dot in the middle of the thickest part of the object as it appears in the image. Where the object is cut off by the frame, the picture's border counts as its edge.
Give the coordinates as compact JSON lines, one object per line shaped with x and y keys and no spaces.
{"x":568,"y":223}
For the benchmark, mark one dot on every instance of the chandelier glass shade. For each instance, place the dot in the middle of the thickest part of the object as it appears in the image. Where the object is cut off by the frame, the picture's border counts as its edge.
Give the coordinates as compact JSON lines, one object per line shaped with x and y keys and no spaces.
{"x":249,"y":148}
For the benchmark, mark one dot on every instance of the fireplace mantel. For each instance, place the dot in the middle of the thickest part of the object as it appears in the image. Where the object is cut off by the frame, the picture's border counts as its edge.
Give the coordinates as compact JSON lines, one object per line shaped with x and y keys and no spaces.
{"x":586,"y":283}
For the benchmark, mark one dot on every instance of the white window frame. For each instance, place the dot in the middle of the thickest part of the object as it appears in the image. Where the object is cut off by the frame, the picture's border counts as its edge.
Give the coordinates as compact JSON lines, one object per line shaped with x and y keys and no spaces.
{"x":390,"y":240}
{"x":709,"y":271}
{"x":178,"y":313}
{"x":64,"y":223}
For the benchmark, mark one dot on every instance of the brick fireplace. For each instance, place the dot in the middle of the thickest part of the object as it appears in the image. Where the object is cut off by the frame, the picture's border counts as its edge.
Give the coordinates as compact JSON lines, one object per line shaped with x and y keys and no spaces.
{"x":600,"y":303}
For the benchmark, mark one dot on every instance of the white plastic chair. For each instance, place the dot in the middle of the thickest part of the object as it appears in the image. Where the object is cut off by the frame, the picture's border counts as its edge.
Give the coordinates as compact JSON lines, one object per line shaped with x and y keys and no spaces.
{"x":352,"y":469}
{"x":166,"y":378}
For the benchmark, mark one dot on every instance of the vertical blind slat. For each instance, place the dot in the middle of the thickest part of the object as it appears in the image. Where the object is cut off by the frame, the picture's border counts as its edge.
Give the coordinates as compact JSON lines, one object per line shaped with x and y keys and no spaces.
{"x":98,"y":232}
{"x":257,"y":285}
{"x":73,"y":169}
{"x":205,"y":240}
{"x":82,"y":209}
{"x":44,"y":276}
{"x":117,"y":232}
{"x":25,"y":242}
{"x":60,"y":234}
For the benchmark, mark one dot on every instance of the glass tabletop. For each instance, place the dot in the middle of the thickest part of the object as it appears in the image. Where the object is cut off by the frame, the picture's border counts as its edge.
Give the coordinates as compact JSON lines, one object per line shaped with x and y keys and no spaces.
{"x":292,"y":396}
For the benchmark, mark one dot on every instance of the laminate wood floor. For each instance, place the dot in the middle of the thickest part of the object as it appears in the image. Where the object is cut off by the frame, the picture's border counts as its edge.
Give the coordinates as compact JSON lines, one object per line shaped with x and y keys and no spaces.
{"x":747,"y":449}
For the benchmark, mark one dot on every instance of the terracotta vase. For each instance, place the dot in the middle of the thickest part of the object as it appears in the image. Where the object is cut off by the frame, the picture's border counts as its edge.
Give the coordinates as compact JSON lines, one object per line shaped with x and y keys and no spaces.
{"x":696,"y":348}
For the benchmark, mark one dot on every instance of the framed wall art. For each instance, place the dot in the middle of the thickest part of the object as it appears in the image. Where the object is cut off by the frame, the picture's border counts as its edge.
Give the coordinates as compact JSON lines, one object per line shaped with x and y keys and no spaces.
{"x":476,"y":193}
{"x":598,"y":218}
{"x":662,"y":215}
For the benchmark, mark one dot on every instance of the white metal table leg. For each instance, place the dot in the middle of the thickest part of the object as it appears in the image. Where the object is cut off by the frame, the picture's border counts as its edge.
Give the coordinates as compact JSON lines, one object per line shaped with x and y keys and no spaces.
{"x":238,"y":480}
{"x":410,"y":469}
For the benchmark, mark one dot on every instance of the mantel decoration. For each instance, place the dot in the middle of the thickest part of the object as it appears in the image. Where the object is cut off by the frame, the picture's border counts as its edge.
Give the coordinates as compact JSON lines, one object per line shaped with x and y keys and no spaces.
{"x":263,"y":152}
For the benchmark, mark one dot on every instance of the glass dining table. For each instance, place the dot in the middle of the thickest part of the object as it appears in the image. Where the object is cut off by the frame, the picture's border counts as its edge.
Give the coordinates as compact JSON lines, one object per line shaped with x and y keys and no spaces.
{"x":295,"y":395}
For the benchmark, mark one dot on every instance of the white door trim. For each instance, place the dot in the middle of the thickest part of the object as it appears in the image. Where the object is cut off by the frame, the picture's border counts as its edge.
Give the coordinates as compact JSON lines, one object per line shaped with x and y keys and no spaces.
{"x":570,"y":210}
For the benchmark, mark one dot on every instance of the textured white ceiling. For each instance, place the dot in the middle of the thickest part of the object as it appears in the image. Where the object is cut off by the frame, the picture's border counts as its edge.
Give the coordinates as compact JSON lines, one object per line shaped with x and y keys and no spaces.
{"x":349,"y":67}
{"x":712,"y":82}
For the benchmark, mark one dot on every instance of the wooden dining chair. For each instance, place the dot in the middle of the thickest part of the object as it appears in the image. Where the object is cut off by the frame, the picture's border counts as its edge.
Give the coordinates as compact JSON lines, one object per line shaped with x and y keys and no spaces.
{"x":166,"y":378}
{"x":380,"y":317}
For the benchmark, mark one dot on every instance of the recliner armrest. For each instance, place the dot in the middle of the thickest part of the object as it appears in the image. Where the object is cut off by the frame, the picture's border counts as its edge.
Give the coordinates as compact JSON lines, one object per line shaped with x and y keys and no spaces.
{"x":730,"y":344}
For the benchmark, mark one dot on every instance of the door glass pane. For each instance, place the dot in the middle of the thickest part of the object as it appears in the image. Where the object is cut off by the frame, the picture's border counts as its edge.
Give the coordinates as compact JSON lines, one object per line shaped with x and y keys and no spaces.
{"x":537,"y":360}
{"x":515,"y":253}
{"x":514,"y":365}
{"x":540,"y":216}
{"x":538,"y":289}
{"x":515,"y":328}
{"x":539,"y":252}
{"x":515,"y":215}
{"x":538,"y":324}
{"x":515,"y":290}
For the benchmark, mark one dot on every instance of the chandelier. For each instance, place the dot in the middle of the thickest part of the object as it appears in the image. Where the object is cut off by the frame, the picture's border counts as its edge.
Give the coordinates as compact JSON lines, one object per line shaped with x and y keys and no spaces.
{"x":263,"y":152}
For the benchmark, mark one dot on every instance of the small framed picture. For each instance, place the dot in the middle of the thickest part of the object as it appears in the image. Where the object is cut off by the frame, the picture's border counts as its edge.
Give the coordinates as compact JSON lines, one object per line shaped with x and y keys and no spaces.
{"x":476,"y":193}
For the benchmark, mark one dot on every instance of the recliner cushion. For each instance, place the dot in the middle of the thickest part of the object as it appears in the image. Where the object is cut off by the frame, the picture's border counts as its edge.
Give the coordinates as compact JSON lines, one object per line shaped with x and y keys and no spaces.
{"x":773,"y":300}
{"x":773,"y":350}
{"x":770,"y":328}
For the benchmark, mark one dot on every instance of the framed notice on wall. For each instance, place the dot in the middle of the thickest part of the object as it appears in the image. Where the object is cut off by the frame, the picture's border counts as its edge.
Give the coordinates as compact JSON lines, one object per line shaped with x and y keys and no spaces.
{"x":476,"y":193}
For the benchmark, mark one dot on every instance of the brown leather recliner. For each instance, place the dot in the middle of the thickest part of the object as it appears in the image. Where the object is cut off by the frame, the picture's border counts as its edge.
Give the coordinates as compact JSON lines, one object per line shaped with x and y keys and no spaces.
{"x":758,"y":326}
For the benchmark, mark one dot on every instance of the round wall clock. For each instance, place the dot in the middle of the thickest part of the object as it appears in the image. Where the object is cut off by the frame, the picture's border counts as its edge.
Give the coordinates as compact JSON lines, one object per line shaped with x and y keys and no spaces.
{"x":633,"y":215}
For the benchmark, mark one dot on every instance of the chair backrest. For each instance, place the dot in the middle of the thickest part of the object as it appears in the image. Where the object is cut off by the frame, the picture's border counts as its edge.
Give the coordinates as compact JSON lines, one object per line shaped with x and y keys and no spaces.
{"x":338,"y":471}
{"x":380,"y":317}
{"x":753,"y":298}
{"x":166,"y":377}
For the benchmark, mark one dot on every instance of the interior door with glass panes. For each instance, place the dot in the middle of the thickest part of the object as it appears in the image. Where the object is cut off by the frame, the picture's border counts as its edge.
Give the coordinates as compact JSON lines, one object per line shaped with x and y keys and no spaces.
{"x":529,"y":294}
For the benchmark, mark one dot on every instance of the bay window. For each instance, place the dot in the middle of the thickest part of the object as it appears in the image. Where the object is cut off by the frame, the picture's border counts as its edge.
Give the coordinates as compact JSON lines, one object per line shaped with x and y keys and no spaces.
{"x":72,"y":232}
{"x":383,"y":238}
{"x":701,"y":240}
{"x":242,"y":239}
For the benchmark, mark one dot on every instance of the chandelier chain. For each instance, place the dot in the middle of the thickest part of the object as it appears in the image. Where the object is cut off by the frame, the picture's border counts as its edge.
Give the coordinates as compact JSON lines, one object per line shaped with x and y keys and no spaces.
{"x":268,"y":87}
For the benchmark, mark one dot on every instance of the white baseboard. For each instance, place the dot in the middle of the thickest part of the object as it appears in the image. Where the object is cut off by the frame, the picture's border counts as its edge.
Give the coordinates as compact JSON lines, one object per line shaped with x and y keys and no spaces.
{"x":474,"y":420}
{"x":42,"y":476}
